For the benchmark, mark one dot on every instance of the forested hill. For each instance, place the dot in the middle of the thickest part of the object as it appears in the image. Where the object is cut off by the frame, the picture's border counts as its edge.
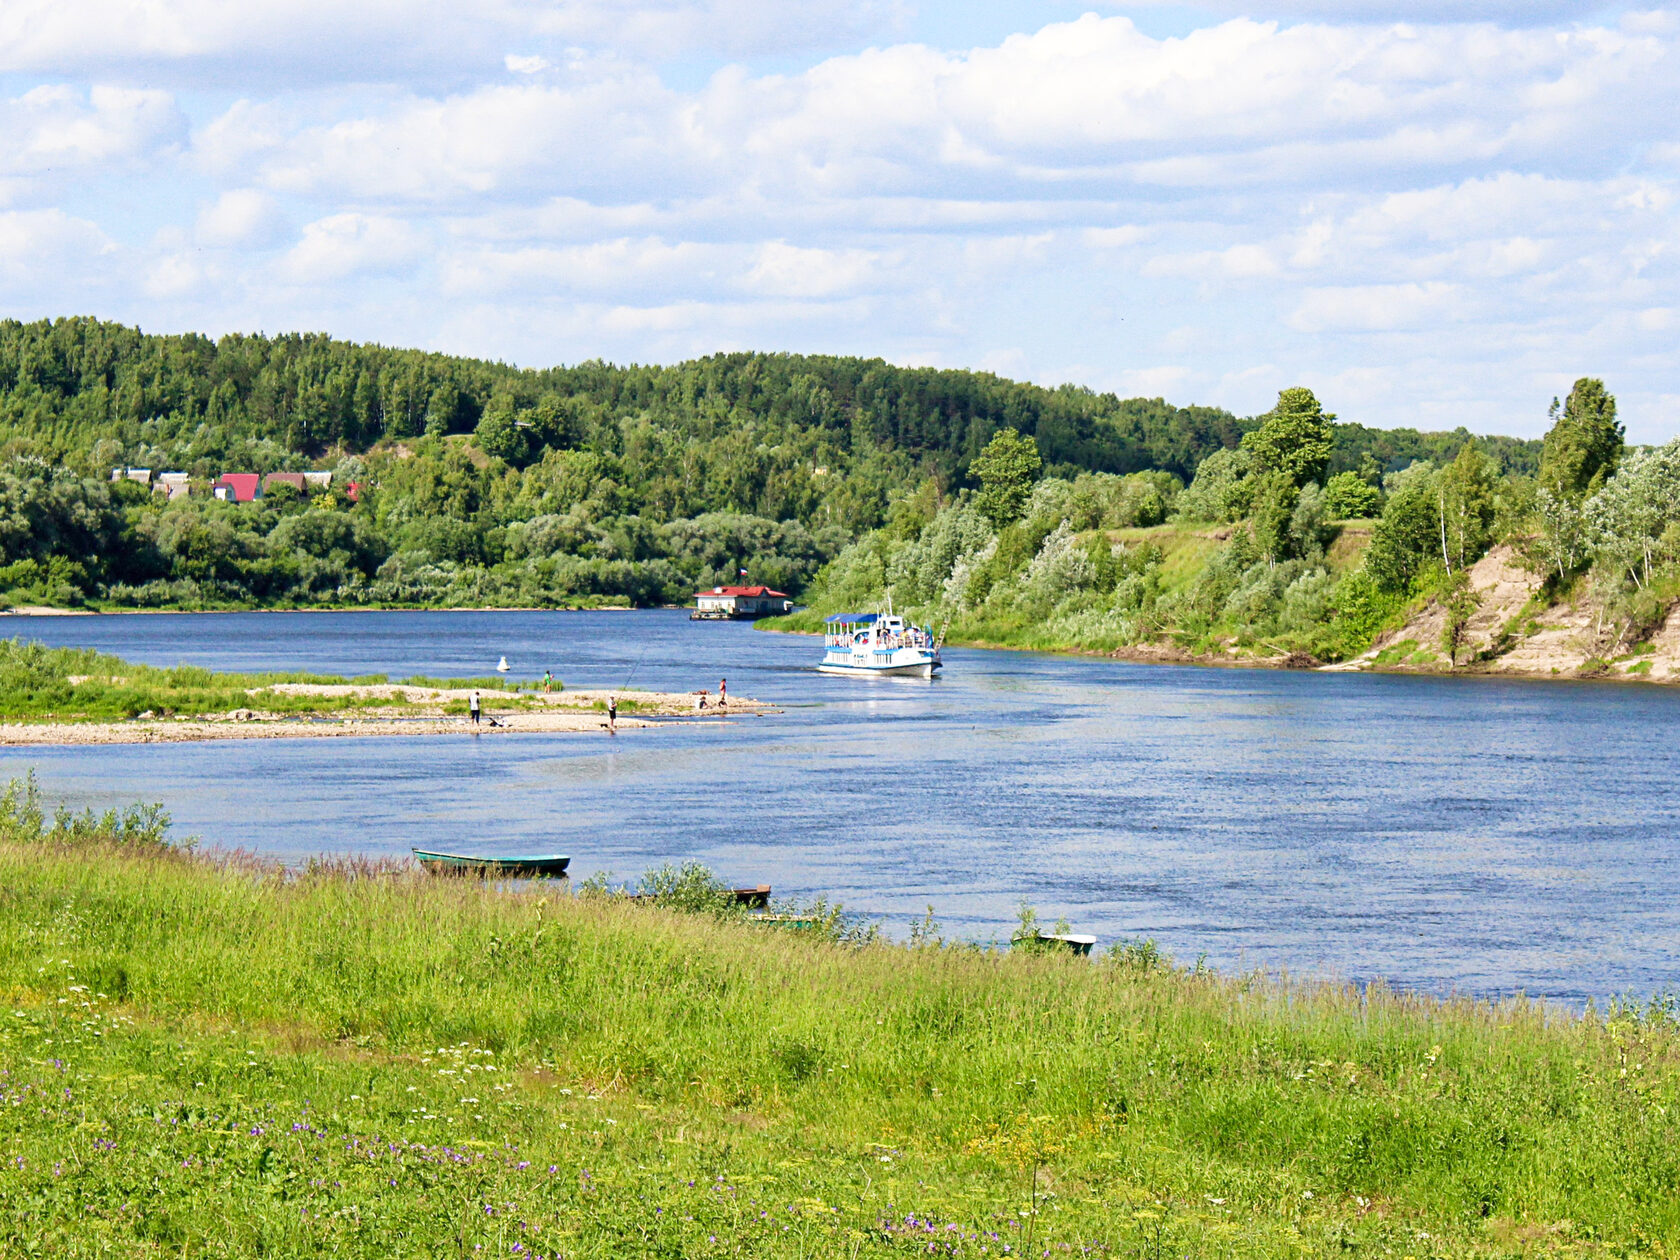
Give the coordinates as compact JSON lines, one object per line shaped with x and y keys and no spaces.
{"x":69,"y":384}
{"x":482,"y":482}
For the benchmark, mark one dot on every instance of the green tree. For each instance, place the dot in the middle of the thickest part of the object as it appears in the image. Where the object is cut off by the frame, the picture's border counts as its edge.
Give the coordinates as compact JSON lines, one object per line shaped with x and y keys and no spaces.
{"x":1408,"y":535}
{"x":1460,"y":602}
{"x":1348,"y":496}
{"x":1584,"y":444}
{"x":1294,"y":439}
{"x":1222,"y":490}
{"x":499,"y":434}
{"x":1275,"y":496}
{"x":1006,"y":470}
{"x":1563,"y":531}
{"x":440,"y":413}
{"x":1465,"y":501}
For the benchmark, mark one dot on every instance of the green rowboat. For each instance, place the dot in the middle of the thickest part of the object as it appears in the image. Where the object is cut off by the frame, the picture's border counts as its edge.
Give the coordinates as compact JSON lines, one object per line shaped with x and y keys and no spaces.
{"x":525,"y":866}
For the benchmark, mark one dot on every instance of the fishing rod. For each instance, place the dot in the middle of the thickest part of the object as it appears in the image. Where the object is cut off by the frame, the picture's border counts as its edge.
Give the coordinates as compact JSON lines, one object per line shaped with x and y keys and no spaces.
{"x":633,"y":668}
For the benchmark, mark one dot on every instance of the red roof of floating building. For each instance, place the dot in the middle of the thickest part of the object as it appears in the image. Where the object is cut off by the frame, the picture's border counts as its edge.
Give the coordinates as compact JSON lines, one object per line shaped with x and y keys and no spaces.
{"x":240,"y":487}
{"x":749,"y":592}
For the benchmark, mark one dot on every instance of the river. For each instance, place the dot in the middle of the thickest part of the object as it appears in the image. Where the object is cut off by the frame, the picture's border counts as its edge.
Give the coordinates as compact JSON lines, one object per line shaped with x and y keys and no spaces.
{"x":1471,"y":836}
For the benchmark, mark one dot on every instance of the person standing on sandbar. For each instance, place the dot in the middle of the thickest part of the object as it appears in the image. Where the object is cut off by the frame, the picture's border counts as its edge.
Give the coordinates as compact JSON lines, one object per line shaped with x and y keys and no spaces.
{"x":472,"y":706}
{"x":612,"y":715}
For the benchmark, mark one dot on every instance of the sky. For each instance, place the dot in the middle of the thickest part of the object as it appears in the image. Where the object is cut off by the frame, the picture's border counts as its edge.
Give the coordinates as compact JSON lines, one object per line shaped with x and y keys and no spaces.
{"x":1432,"y":213}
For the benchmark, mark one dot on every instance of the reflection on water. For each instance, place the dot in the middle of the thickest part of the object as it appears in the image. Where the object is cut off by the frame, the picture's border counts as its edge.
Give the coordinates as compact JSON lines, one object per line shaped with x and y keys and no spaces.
{"x":1477,"y":836}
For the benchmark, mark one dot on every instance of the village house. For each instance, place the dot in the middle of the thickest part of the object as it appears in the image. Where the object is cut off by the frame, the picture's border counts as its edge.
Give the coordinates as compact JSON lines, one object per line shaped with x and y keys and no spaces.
{"x":238,"y":487}
{"x":173,"y":485}
{"x":723,"y":603}
{"x":141,"y":475}
{"x":292,"y":479}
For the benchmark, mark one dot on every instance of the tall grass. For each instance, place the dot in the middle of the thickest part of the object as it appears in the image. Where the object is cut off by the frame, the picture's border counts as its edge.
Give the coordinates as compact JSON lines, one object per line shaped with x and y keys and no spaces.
{"x":220,"y":1058}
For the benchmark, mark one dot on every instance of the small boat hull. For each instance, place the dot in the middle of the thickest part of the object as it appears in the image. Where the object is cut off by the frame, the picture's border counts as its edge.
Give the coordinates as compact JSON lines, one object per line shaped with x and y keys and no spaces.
{"x":525,"y":866}
{"x":916,"y":669}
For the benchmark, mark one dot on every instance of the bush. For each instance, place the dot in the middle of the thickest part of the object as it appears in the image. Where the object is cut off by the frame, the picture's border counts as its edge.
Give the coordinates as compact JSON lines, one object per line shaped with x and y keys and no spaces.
{"x":1349,"y":496}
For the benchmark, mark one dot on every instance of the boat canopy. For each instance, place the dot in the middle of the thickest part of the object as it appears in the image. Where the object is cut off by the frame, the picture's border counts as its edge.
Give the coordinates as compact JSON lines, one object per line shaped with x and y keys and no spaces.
{"x":853,"y":619}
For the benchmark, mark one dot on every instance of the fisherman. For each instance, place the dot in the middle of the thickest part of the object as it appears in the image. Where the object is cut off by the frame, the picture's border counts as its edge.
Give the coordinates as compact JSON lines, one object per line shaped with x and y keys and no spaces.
{"x":612,"y":714}
{"x":472,"y":706}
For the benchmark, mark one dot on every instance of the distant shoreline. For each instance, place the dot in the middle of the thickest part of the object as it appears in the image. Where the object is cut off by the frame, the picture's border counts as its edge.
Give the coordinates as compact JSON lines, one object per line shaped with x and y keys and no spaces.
{"x":43,"y":611}
{"x":1165,"y":654}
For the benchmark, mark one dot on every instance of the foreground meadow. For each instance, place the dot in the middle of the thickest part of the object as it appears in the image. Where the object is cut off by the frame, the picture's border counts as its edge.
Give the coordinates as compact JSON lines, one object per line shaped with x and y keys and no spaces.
{"x":212,"y":1058}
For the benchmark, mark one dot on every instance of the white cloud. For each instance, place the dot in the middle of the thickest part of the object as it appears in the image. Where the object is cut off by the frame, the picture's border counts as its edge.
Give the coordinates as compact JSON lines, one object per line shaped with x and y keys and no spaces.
{"x":791,"y":271}
{"x":56,"y":130}
{"x":408,"y":41}
{"x":1379,"y":307}
{"x":624,"y":266}
{"x":47,"y":255}
{"x":1154,"y":382}
{"x":1238,"y":262}
{"x":1508,"y":12}
{"x":1352,"y":199}
{"x":240,"y":216}
{"x":341,"y":246}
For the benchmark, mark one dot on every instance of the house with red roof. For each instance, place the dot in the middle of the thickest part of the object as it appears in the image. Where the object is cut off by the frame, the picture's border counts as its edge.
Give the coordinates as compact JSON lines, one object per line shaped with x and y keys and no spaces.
{"x":723,"y":603}
{"x":238,"y":487}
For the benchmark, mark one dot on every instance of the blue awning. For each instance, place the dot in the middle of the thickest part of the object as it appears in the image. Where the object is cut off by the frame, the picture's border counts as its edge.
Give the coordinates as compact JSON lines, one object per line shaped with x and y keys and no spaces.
{"x":853,"y":619}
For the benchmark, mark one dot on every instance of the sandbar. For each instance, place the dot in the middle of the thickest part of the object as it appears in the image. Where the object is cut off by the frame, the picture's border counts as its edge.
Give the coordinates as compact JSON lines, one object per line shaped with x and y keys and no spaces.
{"x":411,"y":711}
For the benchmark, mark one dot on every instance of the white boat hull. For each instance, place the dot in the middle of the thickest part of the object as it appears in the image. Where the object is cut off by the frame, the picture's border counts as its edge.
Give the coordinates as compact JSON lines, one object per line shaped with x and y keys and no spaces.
{"x":917,"y":669}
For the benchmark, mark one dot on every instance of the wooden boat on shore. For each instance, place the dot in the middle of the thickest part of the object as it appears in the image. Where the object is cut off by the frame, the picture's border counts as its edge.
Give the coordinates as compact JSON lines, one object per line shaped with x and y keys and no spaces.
{"x":522,"y":866}
{"x":791,"y":922}
{"x":757,"y":896}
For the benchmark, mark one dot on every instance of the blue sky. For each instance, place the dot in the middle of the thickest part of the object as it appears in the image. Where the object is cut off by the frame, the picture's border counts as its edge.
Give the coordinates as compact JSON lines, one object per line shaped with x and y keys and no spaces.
{"x":1432,"y":213}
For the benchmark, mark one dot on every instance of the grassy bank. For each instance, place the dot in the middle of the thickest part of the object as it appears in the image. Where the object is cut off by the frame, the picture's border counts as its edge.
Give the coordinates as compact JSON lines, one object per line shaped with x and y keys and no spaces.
{"x":214,"y":1059}
{"x":1183,"y":589}
{"x":76,"y":684}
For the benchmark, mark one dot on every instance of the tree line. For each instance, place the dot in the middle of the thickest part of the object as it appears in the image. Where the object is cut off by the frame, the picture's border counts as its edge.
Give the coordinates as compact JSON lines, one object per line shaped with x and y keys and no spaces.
{"x":1296,"y":538}
{"x":483,"y":482}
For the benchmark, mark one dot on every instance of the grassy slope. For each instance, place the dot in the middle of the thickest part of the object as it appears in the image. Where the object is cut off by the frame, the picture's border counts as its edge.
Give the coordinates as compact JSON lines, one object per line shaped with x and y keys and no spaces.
{"x":210,"y":1060}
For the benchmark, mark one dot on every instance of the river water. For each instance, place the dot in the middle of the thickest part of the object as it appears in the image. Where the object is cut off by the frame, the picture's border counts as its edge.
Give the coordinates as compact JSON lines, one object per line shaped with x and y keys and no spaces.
{"x":1474,"y":836}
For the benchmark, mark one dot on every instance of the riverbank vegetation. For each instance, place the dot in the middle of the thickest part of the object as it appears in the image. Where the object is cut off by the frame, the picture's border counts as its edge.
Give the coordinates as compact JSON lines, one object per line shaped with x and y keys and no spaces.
{"x":76,"y":684}
{"x":461,"y":483}
{"x":213,"y":1057}
{"x":1271,"y":552}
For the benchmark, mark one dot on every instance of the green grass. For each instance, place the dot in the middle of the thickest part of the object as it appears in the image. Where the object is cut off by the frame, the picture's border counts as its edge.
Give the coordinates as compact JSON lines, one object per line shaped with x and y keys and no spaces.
{"x":76,"y":684}
{"x":206,"y":1058}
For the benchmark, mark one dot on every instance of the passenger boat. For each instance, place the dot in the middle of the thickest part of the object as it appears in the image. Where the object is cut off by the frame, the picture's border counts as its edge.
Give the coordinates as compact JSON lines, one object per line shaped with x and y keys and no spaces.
{"x":524,"y":866}
{"x":878,"y":643}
